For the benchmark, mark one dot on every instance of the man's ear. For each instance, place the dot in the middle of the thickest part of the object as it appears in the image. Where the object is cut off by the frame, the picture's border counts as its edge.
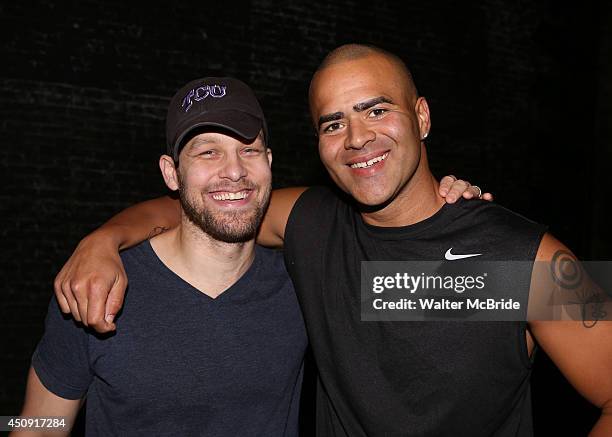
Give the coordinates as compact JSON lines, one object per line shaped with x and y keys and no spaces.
{"x":421,"y":109}
{"x":269,"y":155}
{"x":166,"y":165}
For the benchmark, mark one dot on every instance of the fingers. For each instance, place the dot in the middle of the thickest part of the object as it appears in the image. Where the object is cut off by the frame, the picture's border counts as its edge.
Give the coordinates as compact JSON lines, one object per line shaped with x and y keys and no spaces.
{"x":92,"y":275}
{"x":59,"y":295}
{"x":472,"y":192}
{"x":115,"y":299}
{"x":72,"y":302}
{"x":96,"y":304}
{"x":95,"y":311}
{"x":65,"y":292}
{"x":475,"y":192}
{"x":82,"y":306}
{"x":86,"y":300}
{"x":452,"y":189}
{"x":72,"y":297}
{"x":445,"y":184}
{"x":456,"y":190}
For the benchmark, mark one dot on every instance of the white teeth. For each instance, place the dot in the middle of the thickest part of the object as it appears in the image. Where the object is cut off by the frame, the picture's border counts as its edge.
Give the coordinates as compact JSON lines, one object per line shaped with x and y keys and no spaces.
{"x":369,"y":163}
{"x":230,"y":196}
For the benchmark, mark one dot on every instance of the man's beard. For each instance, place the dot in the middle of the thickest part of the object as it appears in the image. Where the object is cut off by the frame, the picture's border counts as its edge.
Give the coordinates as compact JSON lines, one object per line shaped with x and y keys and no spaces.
{"x":230,"y":226}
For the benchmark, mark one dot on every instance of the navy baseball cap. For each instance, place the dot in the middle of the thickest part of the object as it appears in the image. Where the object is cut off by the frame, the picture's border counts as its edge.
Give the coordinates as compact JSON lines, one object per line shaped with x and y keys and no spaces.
{"x":222,"y":102}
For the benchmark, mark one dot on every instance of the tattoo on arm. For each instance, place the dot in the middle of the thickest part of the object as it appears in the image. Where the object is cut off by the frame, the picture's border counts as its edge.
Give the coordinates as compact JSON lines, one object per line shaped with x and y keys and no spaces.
{"x":578,"y":288}
{"x":156,"y":231}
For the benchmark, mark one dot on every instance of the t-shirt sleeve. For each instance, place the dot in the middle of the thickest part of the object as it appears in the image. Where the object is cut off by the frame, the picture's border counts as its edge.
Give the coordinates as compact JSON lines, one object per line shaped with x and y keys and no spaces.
{"x":61,"y":359}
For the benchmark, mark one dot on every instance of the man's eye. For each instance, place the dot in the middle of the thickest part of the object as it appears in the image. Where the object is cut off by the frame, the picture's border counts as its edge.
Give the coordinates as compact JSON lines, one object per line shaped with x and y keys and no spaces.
{"x":377,"y":112}
{"x":332,"y":127}
{"x":251,"y":151}
{"x":207,"y":153}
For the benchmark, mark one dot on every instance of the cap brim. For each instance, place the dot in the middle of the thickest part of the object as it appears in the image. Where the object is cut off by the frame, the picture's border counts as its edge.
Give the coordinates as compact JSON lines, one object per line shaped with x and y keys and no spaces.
{"x":243,"y":124}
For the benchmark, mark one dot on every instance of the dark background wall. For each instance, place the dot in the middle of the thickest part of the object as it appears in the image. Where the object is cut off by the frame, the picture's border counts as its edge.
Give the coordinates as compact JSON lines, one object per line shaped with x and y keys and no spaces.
{"x":520,"y":94}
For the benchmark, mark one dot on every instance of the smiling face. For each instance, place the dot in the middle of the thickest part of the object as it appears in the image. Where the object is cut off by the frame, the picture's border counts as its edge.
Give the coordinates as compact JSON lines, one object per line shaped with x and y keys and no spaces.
{"x":370,"y":124}
{"x":224,"y":184}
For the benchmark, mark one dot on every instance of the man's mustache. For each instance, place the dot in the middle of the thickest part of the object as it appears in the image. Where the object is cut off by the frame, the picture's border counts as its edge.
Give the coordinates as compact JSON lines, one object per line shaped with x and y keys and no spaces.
{"x":245,"y":185}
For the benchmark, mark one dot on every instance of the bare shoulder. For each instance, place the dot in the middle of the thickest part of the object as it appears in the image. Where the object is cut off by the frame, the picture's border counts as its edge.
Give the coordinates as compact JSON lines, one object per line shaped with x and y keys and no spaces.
{"x":550,"y":248}
{"x":561,"y":288}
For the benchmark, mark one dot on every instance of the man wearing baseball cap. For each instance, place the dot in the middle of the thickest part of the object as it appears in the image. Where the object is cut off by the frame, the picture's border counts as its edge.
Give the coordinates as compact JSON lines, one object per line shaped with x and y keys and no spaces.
{"x":212,"y":339}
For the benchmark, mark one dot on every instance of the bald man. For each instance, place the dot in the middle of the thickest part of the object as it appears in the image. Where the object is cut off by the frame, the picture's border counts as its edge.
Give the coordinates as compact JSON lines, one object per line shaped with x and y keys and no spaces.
{"x":380,"y":378}
{"x":383,"y":378}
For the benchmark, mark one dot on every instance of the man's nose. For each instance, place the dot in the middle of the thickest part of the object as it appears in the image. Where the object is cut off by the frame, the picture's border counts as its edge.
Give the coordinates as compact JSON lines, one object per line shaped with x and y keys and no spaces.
{"x":233,"y":168}
{"x":359,"y":134}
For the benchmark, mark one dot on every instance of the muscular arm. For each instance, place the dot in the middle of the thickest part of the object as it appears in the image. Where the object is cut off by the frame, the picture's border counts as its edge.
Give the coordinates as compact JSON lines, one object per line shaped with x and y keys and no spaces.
{"x":582,"y":352}
{"x":41,"y":402}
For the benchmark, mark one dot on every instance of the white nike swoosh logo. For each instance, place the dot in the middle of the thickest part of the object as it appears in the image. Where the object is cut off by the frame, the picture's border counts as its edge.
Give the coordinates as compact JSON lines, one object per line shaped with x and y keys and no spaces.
{"x":449,"y":256}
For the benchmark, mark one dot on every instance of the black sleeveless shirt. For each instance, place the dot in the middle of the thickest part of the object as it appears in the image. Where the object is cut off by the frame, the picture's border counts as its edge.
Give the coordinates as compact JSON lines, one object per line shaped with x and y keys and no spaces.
{"x":408,"y":378}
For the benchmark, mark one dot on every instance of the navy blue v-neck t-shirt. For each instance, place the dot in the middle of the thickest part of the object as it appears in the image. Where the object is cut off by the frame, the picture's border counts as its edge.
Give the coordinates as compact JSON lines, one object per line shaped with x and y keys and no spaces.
{"x":181,"y":362}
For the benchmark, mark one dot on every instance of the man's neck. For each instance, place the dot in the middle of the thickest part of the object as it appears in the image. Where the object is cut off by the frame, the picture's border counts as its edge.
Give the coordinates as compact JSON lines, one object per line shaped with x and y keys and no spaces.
{"x":209,"y":265}
{"x":418,"y":200}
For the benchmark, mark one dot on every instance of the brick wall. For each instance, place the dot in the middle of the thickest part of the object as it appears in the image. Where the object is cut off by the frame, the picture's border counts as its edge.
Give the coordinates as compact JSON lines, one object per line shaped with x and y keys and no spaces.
{"x":514,"y":87}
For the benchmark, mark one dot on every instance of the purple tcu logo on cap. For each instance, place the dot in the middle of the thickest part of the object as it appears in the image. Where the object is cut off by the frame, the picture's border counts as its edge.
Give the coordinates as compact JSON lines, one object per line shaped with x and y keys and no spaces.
{"x":200,"y":93}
